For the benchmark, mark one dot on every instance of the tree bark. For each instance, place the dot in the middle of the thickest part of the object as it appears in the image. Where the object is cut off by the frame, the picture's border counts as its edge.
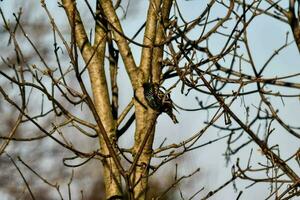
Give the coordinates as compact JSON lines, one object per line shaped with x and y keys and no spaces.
{"x":94,"y":59}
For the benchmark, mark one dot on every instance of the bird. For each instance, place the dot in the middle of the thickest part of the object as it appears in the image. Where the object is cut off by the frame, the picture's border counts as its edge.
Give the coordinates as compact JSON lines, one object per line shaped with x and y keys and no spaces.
{"x":158,"y":100}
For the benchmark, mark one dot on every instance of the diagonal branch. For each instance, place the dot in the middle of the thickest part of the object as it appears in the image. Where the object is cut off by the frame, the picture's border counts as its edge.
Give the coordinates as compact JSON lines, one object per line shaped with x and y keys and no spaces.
{"x":122,"y":42}
{"x":265,"y":149}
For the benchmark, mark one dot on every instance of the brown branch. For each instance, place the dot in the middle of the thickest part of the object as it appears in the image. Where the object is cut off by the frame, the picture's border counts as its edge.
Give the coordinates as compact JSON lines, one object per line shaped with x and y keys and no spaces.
{"x":122,"y":43}
{"x":269,"y":154}
{"x":149,"y":37}
{"x":24,"y":179}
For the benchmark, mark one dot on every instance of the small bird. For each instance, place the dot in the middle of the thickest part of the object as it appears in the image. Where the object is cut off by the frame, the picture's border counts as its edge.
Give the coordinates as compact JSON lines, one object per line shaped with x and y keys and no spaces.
{"x":158,"y":100}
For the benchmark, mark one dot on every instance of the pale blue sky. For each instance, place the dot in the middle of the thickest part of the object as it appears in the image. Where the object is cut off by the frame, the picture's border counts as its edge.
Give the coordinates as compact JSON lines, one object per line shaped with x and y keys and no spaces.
{"x":265,"y":35}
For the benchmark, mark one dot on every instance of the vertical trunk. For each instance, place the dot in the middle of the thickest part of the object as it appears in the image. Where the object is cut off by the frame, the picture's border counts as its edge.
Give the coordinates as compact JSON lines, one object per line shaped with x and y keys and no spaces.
{"x":144,"y":136}
{"x":150,"y":68}
{"x":145,"y":118}
{"x":112,"y":178}
{"x":94,"y":59}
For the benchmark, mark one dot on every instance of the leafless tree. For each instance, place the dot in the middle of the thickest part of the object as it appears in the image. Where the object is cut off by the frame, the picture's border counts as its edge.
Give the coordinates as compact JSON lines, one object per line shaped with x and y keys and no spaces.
{"x":69,"y":95}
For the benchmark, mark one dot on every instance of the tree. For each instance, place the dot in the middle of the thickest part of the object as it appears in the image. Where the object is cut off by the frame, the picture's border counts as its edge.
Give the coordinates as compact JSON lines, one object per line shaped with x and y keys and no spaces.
{"x":76,"y":91}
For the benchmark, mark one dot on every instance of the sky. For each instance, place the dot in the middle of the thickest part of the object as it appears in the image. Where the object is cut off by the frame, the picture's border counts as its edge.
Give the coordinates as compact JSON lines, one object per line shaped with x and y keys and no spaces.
{"x":265,"y":35}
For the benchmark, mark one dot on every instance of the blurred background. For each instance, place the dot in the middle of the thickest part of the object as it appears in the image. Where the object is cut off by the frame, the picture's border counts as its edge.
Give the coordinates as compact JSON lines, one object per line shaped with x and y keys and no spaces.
{"x":31,"y":147}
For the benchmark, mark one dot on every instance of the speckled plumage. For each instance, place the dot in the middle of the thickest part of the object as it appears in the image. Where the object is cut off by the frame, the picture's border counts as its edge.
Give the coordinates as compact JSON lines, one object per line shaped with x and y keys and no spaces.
{"x":159,"y":101}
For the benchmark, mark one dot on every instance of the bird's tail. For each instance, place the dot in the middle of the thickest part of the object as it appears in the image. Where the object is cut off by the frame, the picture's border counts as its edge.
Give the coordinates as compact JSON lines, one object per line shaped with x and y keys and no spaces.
{"x":173,"y":117}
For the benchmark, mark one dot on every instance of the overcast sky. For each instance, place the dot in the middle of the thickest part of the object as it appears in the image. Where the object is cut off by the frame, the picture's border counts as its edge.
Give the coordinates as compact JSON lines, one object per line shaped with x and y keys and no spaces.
{"x":265,"y":35}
